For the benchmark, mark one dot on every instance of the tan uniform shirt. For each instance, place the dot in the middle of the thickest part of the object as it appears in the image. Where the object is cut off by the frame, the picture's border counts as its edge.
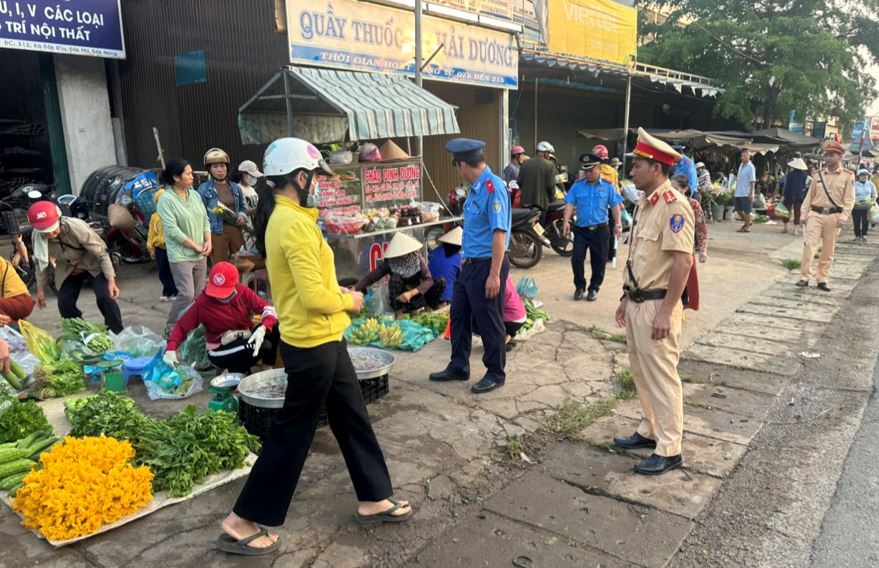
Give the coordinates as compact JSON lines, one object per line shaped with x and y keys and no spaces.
{"x":840,"y":185}
{"x":664,"y":224}
{"x":77,"y":247}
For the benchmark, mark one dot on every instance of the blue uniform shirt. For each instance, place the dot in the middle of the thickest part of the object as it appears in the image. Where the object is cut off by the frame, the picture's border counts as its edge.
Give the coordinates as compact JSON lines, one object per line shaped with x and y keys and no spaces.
{"x":486,"y":210}
{"x":687,"y":167}
{"x":592,"y":201}
{"x":446,"y":267}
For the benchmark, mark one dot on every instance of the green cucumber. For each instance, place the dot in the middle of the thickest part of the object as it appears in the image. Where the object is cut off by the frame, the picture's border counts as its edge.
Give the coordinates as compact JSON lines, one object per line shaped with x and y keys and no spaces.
{"x":16,"y":368}
{"x":12,"y":380}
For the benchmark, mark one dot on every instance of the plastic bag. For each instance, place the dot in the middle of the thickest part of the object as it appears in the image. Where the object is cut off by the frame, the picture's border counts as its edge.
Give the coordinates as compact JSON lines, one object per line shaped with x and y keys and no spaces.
{"x":781,"y":211}
{"x":527,"y":288}
{"x":164,"y":382}
{"x":194,"y":349}
{"x":18,"y":350}
{"x":626,"y":219}
{"x":874,"y":214}
{"x":378,"y":303}
{"x":39,"y":342}
{"x":137,"y":341}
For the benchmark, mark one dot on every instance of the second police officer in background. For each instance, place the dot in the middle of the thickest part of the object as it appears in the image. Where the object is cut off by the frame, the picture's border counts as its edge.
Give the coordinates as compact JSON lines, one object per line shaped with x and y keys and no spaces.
{"x":479,"y":289}
{"x":591,"y":198}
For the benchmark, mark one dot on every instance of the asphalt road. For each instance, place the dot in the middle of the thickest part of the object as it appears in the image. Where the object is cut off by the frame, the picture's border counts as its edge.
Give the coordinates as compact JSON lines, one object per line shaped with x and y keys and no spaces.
{"x":850,"y":531}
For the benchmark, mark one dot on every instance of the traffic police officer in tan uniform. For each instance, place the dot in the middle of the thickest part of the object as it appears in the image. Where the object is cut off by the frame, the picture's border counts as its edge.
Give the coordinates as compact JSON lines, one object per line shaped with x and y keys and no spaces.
{"x":660,"y":255}
{"x":827,"y":206}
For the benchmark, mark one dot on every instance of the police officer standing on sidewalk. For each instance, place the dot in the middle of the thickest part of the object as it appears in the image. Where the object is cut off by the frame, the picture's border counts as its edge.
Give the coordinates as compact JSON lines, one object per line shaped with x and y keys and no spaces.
{"x":827,"y":207}
{"x":660,"y":256}
{"x":591,"y":197}
{"x":479,"y":290}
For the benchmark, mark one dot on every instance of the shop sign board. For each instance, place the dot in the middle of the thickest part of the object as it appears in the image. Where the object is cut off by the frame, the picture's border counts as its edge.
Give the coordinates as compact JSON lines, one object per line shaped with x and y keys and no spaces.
{"x":601,"y":29}
{"x":359,"y":36}
{"x":83,"y":27}
{"x":340,"y":194}
{"x":874,"y":128}
{"x":369,"y":186}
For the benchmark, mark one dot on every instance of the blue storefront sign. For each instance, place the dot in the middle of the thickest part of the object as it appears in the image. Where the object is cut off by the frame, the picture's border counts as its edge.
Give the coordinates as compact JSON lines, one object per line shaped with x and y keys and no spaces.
{"x":75,"y":27}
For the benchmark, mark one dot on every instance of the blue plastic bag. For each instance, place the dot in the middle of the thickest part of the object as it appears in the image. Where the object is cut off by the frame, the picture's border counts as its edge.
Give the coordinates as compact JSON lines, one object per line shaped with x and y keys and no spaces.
{"x":527,"y":288}
{"x":164,"y":382}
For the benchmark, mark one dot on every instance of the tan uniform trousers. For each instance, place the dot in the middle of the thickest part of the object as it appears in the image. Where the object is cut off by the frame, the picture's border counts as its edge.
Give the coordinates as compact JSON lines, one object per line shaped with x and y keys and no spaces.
{"x":655,"y":368}
{"x":819,"y":228}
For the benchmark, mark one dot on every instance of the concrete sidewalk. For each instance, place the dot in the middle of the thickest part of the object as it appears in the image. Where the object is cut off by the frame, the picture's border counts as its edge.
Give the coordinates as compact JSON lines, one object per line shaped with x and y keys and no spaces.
{"x":450,"y":451}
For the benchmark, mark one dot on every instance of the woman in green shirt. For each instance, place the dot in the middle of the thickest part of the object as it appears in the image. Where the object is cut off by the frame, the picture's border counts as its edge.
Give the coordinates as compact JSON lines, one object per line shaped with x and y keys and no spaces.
{"x":187,"y":235}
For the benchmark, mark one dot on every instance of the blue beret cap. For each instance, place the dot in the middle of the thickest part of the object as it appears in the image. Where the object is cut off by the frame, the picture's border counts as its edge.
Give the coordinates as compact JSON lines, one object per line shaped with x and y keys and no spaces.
{"x":465,"y":148}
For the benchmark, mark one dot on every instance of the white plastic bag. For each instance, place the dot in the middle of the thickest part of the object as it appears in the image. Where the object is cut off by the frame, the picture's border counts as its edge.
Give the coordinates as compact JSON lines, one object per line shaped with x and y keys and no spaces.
{"x":138,"y":341}
{"x":874,"y":214}
{"x":18,"y":349}
{"x":163,"y":382}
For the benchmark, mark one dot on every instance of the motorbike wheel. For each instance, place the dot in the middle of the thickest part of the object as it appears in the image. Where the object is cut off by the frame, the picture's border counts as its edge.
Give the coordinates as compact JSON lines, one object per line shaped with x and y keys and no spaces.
{"x":563,"y":246}
{"x":525,"y":250}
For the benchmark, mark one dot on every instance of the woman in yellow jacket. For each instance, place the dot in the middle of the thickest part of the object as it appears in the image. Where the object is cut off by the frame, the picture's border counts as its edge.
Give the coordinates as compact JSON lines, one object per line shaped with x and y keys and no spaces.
{"x":313,"y":313}
{"x":156,"y":246}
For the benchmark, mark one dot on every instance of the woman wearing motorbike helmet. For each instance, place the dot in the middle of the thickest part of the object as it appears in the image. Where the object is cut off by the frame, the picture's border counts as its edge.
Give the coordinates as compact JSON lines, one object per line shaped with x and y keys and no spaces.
{"x":313,"y":312}
{"x":218,"y":191}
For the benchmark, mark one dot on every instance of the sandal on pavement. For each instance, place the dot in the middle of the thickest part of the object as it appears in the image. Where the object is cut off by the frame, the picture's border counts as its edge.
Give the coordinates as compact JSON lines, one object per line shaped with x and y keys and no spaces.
{"x":387,"y":516}
{"x":242,"y":547}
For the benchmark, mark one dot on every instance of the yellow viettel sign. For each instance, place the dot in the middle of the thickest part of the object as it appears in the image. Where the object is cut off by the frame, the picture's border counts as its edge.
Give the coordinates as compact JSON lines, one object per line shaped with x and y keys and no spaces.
{"x":601,"y":29}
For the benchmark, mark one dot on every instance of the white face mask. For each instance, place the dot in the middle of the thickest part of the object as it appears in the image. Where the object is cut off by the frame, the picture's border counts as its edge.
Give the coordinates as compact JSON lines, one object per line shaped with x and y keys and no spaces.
{"x":248,"y":180}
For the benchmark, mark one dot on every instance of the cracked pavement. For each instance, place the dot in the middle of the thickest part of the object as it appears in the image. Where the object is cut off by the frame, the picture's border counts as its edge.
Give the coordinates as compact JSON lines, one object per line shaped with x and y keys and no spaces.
{"x":578,"y":504}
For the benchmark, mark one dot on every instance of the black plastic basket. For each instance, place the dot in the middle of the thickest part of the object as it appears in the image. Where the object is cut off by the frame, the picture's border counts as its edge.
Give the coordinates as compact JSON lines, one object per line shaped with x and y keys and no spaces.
{"x":258,"y":420}
{"x":15,"y":222}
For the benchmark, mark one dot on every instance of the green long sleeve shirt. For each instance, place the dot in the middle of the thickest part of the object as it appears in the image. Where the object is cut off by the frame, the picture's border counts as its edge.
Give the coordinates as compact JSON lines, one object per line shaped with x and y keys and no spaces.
{"x":183,"y":219}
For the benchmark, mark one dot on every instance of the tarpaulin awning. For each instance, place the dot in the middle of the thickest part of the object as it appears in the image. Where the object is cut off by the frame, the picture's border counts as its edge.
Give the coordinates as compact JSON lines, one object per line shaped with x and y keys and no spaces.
{"x":322,"y":105}
{"x":784,"y":137}
{"x":700,"y":140}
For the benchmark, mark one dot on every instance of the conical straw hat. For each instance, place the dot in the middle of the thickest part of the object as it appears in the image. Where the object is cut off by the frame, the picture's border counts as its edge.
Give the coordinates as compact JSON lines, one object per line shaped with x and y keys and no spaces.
{"x":391,"y":151}
{"x":798,"y":164}
{"x":401,"y":245}
{"x":453,"y":237}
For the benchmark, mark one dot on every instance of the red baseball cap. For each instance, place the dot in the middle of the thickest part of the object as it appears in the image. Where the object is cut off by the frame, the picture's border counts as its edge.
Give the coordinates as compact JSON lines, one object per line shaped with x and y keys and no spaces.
{"x":222,"y":281}
{"x":44,"y":216}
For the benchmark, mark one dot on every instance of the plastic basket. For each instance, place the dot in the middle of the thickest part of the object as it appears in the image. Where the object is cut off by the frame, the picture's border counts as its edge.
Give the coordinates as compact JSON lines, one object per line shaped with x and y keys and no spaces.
{"x":144,"y":203}
{"x":258,"y":420}
{"x":15,"y":222}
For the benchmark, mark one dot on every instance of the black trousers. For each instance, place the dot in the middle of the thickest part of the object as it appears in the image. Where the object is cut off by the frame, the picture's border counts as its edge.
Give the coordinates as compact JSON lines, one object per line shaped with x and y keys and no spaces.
{"x":169,"y":289}
{"x":68,"y":295}
{"x":397,"y":285}
{"x":860,"y":218}
{"x":238,"y":357}
{"x":469,"y":307}
{"x":318,"y":376}
{"x":611,"y":241}
{"x":596,"y":242}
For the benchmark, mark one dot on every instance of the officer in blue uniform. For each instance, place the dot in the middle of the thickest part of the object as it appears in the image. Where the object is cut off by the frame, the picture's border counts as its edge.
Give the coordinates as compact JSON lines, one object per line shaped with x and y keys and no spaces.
{"x":590,"y":197}
{"x":479,"y":290}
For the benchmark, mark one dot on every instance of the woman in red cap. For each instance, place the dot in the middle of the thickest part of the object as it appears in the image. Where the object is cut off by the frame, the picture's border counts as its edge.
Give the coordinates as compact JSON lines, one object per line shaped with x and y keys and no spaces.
{"x":80,"y":257}
{"x":226,"y":309}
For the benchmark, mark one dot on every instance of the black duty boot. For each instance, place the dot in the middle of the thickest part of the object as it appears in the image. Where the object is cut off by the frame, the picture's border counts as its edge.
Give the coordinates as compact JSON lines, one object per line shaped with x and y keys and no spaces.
{"x":634,"y":441}
{"x":657,"y":465}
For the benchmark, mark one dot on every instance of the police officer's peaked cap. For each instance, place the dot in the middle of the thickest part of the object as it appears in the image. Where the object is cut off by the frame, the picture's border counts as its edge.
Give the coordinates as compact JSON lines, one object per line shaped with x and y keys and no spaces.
{"x":465,"y":149}
{"x":651,"y":148}
{"x":589,"y":161}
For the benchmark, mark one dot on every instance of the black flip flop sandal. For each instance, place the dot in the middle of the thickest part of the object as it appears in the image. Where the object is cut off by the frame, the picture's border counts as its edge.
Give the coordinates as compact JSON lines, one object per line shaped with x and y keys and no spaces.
{"x":385,"y":516}
{"x":242,"y":547}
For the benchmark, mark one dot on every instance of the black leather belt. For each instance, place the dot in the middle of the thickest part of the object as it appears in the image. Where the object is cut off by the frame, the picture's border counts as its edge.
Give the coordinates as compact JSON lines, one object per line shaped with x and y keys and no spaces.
{"x":640,"y":296}
{"x":592,"y":227}
{"x":827,"y":210}
{"x":475,"y":260}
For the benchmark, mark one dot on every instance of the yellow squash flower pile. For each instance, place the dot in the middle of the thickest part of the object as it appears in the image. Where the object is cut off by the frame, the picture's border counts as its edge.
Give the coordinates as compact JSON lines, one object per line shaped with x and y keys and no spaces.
{"x":83,"y":484}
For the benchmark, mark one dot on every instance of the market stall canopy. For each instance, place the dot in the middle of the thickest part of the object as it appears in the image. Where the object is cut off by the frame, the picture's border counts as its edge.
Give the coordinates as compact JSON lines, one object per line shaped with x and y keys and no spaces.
{"x":784,"y":137}
{"x":700,"y":140}
{"x":606,"y":134}
{"x":322,"y":105}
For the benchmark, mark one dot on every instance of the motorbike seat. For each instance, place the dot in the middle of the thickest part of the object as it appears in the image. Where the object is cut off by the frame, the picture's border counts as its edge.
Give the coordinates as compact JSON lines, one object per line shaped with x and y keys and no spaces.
{"x":557,"y":205}
{"x":520,"y":215}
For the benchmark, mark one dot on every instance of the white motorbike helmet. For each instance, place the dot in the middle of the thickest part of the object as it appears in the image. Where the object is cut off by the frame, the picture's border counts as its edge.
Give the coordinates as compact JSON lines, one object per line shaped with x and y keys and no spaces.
{"x":545,"y":146}
{"x":286,"y":155}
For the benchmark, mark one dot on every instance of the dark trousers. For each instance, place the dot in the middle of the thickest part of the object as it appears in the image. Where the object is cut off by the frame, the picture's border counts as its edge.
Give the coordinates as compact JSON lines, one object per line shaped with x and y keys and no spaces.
{"x":596,"y":242}
{"x":469,"y":307}
{"x":238,"y":357}
{"x":860,"y":217}
{"x":430,"y":299}
{"x":318,"y":376}
{"x":611,"y":241}
{"x":169,"y":290}
{"x":68,"y":295}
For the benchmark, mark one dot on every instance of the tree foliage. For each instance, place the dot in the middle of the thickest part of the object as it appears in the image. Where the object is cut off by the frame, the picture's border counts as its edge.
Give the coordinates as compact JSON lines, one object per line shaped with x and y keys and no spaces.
{"x":772,"y":56}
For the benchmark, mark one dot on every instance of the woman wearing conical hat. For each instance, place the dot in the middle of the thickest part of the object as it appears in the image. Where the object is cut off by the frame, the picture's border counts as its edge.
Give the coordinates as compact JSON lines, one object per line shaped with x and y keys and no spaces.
{"x":411,"y":286}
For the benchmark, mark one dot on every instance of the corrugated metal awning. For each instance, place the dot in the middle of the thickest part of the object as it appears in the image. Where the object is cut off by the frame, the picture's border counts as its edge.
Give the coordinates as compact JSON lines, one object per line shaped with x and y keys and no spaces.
{"x":324,"y":103}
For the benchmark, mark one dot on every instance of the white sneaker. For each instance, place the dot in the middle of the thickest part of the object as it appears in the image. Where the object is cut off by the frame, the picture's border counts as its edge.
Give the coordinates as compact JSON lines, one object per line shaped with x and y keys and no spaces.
{"x":164,"y":298}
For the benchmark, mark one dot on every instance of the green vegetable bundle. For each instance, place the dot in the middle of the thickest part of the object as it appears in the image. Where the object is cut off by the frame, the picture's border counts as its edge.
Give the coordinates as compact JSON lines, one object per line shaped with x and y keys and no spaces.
{"x":16,"y":375}
{"x":180,"y":451}
{"x":20,"y":419}
{"x":57,"y":378}
{"x":94,"y":337}
{"x":18,"y":458}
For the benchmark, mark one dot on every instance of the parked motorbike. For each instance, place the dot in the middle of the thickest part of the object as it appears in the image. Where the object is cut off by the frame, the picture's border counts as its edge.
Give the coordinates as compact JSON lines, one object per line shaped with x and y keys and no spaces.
{"x":554,"y":219}
{"x":13,"y":215}
{"x":526,"y":238}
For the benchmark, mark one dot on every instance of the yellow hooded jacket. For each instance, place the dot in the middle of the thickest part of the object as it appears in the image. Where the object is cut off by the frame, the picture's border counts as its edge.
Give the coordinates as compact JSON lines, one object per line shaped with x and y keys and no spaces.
{"x":311,"y":307}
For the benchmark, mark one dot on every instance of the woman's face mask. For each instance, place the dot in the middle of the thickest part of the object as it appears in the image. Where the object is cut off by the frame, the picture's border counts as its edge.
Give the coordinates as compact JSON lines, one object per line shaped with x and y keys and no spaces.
{"x":229,"y":299}
{"x":249,"y":180}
